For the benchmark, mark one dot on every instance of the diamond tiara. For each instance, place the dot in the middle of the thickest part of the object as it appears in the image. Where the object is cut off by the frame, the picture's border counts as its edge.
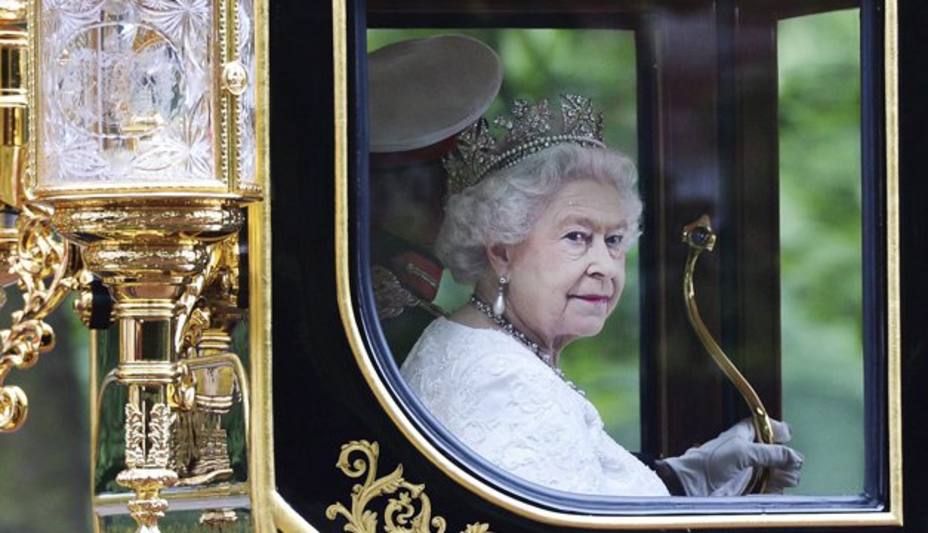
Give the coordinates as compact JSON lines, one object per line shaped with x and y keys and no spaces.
{"x":529,"y":129}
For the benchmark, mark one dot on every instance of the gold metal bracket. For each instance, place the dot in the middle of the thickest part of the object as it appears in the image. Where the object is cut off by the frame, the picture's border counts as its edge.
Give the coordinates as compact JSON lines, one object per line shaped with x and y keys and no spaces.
{"x":699,"y":236}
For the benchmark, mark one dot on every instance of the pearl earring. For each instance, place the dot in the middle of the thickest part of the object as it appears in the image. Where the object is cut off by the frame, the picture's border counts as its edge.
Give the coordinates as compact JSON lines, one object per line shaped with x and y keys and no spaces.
{"x":499,"y":304}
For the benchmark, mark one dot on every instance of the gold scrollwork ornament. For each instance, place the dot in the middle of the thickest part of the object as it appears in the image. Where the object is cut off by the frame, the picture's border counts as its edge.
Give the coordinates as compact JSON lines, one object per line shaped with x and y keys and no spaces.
{"x":400,"y":513}
{"x":39,"y":255}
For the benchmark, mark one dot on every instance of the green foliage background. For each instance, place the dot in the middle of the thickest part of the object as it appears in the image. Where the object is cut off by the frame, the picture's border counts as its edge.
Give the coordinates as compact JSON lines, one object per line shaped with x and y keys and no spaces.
{"x":44,"y":478}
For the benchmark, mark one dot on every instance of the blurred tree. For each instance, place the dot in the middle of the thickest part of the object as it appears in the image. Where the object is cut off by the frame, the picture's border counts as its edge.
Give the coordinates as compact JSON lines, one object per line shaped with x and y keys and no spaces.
{"x":820,"y":250}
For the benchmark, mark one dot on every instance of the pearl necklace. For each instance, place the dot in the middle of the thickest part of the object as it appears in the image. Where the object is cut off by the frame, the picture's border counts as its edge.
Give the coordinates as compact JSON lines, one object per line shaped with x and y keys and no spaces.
{"x":504,"y":324}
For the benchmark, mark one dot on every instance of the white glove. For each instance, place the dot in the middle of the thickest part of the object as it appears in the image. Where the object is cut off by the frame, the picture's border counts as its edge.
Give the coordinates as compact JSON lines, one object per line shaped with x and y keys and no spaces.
{"x":723,"y":466}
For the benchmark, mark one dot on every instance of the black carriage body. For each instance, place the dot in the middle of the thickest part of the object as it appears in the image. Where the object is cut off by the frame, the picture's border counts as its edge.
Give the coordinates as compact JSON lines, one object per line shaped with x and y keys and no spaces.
{"x":321,"y":398}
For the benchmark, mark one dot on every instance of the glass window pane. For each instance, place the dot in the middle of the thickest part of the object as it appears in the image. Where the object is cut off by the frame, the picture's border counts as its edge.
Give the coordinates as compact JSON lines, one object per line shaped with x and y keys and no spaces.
{"x":820,"y":233}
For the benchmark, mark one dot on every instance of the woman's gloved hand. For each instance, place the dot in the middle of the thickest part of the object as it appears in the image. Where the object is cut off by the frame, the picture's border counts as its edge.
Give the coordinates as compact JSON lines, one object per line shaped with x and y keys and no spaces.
{"x":723,"y":466}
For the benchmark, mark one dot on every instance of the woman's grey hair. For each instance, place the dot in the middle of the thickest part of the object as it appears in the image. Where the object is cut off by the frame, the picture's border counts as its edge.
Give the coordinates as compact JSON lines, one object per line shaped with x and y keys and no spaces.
{"x":504,"y":207}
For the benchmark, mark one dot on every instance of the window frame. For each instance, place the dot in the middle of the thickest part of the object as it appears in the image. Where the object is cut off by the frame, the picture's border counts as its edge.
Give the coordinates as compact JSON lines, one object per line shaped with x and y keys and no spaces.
{"x":881,"y":501}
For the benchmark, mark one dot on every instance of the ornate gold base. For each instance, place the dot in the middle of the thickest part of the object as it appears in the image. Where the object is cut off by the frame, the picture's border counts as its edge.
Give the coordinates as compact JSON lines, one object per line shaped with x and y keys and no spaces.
{"x":148,"y":506}
{"x":146,"y":249}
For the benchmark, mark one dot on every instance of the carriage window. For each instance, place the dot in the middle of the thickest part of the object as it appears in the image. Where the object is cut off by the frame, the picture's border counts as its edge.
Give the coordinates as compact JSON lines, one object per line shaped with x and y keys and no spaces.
{"x":579,"y":214}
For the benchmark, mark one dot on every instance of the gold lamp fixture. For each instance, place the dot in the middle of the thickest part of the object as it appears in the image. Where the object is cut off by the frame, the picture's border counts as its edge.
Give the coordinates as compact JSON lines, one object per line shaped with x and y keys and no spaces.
{"x":129,"y":149}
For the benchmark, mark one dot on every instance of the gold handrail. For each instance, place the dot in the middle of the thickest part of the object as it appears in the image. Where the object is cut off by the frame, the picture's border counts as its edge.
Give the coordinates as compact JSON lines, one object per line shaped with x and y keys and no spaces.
{"x":698,"y":235}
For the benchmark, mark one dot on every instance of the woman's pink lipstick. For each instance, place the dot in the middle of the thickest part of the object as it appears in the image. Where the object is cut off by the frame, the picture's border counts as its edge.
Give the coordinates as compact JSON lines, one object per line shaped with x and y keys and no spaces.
{"x":592,"y":298}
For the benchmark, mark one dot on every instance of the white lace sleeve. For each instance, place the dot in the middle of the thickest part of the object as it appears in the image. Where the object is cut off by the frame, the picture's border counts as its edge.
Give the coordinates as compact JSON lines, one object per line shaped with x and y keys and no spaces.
{"x":506,"y":405}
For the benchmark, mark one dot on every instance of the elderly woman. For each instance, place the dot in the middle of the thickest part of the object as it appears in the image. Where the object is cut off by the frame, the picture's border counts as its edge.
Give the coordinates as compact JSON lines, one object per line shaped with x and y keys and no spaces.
{"x":542,"y":228}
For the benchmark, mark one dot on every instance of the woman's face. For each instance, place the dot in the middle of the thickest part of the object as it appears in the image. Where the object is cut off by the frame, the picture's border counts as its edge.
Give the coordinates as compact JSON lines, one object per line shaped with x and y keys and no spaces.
{"x":567,"y":276}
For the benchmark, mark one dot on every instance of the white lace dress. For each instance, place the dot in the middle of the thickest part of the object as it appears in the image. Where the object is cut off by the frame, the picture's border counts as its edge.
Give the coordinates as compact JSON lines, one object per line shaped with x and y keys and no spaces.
{"x":503,"y":402}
